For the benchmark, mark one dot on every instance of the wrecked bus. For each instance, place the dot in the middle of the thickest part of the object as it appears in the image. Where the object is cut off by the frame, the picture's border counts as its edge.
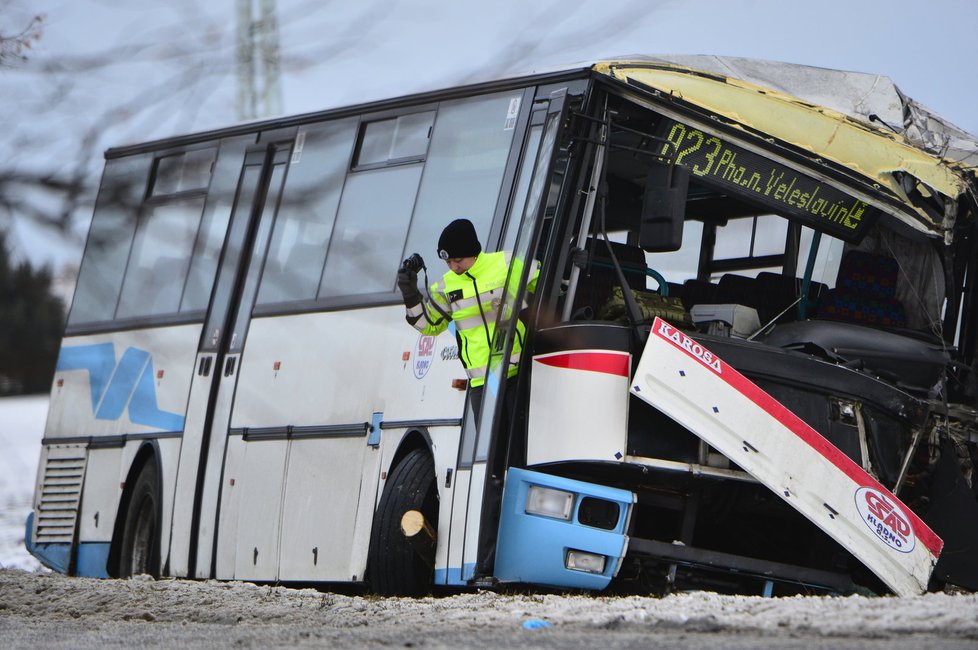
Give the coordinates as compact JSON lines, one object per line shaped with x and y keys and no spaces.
{"x":749,"y":365}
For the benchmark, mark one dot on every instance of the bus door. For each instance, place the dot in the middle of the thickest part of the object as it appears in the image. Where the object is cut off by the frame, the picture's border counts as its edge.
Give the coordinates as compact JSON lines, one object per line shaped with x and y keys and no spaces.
{"x":218,"y":358}
{"x":477,"y":485}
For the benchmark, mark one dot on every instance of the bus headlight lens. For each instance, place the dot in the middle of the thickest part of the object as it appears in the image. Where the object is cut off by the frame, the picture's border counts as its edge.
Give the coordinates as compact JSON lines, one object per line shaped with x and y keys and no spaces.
{"x":587,"y":562}
{"x":548,"y":502}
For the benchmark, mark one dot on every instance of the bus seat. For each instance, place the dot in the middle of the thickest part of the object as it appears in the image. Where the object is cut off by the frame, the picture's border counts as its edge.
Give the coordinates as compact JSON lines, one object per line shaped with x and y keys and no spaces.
{"x":779,"y":292}
{"x":736,"y":289}
{"x":598,"y":277}
{"x":630,"y":258}
{"x":698,"y":292}
{"x":865,"y":292}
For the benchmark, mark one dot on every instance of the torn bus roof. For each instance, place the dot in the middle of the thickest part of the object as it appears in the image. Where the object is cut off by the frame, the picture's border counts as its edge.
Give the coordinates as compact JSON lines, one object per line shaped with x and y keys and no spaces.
{"x":828,"y":113}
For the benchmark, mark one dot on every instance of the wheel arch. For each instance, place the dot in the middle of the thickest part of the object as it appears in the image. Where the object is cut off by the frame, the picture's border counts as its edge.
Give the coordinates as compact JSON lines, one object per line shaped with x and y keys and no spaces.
{"x":148,"y":452}
{"x":393,"y":568}
{"x":415,"y":438}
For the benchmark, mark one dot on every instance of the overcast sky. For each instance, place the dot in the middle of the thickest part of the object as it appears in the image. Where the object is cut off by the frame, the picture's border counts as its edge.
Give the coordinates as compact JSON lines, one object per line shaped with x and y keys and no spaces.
{"x":106,"y":73}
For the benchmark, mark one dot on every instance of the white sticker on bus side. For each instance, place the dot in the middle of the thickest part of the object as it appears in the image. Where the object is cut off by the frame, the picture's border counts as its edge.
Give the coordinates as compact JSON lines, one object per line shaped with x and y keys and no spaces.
{"x":512,"y":114}
{"x":300,"y":143}
{"x":424,"y":354}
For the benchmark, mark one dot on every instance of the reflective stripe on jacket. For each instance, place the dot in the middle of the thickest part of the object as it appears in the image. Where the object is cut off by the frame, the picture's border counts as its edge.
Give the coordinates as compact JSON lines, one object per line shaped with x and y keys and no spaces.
{"x":472,"y":301}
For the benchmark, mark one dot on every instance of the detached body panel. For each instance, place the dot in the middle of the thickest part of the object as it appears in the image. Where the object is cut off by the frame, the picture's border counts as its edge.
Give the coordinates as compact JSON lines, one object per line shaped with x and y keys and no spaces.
{"x":680,"y":377}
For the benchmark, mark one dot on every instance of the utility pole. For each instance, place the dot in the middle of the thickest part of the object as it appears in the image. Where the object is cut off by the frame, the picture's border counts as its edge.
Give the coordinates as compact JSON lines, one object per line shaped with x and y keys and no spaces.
{"x":259,"y":64}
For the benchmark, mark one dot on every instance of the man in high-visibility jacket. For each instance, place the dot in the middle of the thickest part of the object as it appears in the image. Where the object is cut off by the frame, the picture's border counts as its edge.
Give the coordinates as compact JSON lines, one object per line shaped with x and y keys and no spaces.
{"x":469,"y":294}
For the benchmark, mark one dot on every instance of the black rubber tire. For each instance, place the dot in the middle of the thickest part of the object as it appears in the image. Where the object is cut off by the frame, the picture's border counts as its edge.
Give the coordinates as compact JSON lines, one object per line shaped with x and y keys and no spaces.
{"x":139,"y":551}
{"x":395,"y":568}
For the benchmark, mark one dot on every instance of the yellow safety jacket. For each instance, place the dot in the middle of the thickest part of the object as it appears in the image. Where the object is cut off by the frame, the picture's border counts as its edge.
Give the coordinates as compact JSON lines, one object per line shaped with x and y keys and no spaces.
{"x":472,"y":301}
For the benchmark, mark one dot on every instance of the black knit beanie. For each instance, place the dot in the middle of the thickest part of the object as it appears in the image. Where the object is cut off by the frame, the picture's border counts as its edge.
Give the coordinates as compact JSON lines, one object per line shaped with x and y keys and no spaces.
{"x":458,"y":239}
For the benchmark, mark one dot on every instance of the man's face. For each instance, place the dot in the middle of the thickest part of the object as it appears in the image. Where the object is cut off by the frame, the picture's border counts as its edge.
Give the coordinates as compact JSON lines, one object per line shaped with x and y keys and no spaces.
{"x":460,"y":265}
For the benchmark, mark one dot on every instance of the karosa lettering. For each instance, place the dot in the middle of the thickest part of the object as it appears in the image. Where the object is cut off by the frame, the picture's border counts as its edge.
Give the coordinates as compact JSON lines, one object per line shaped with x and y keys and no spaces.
{"x":693,"y":348}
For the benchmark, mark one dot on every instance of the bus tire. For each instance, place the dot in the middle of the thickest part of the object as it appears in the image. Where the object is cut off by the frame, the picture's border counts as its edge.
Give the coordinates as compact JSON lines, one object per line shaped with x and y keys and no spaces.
{"x":396,"y":569}
{"x":139,"y":552}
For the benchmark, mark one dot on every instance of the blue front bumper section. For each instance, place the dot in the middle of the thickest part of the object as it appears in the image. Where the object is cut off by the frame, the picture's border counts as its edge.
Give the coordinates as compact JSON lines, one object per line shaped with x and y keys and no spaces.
{"x":91,"y":558}
{"x":533,"y":548}
{"x":53,"y":556}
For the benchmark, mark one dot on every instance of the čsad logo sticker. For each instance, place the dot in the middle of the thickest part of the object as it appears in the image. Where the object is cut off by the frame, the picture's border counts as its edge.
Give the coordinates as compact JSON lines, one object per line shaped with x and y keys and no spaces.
{"x":424,"y":354}
{"x":886,"y":519}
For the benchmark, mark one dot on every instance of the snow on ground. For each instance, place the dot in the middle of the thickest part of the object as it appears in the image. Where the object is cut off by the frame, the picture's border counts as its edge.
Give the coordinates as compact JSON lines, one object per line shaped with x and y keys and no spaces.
{"x":21,"y":429}
{"x":55,"y":611}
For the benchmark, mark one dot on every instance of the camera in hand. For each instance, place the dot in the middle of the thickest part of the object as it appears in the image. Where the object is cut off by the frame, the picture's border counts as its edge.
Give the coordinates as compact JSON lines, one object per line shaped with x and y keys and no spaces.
{"x":414,"y":263}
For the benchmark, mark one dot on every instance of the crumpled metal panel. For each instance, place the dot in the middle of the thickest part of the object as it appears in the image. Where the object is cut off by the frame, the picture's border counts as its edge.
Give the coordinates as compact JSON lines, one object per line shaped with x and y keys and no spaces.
{"x":856,"y":94}
{"x":825,"y":112}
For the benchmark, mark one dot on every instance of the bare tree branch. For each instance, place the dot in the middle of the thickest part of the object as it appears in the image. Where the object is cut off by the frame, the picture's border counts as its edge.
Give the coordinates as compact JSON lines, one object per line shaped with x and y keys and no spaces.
{"x":76,"y":105}
{"x":12,"y":46}
{"x":189,"y":60}
{"x":45,"y":185}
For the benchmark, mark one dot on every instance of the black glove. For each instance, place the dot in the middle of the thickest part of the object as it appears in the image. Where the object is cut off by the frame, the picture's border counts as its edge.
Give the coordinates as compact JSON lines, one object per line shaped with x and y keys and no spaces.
{"x":407,"y":282}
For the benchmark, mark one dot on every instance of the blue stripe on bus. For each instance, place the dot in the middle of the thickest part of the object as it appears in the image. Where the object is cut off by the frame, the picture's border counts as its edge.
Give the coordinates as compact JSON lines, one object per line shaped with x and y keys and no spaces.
{"x":93,"y":560}
{"x":143,"y":408}
{"x":116,"y":387}
{"x":121,"y":385}
{"x":454,"y":575}
{"x":98,"y":360}
{"x":54,"y":556}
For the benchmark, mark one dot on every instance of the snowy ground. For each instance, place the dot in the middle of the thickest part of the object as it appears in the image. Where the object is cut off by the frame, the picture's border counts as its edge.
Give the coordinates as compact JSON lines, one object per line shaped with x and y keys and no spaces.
{"x":58,"y":612}
{"x":41,"y":609}
{"x":21,"y":429}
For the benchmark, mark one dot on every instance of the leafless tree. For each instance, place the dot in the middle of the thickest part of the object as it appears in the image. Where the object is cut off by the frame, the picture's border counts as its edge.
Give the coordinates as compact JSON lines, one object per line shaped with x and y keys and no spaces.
{"x":13,"y":46}
{"x":63,"y":114}
{"x":69,"y":108}
{"x":65,"y":110}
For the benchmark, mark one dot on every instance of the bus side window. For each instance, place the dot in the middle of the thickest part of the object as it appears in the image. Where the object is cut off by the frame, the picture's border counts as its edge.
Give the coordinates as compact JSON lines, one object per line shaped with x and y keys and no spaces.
{"x":463,"y":172}
{"x":160,"y":258}
{"x":370,"y":229}
{"x":110,"y":237}
{"x":139,"y":249}
{"x":307,"y":213}
{"x":390,"y":209}
{"x":185,"y":251}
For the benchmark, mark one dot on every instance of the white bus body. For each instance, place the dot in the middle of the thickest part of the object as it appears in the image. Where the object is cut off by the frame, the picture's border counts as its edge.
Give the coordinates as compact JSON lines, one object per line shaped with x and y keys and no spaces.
{"x":238,"y":396}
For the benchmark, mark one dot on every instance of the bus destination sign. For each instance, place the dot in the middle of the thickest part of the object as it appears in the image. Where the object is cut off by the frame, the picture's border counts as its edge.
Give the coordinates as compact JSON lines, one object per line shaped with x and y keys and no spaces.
{"x":773,"y":185}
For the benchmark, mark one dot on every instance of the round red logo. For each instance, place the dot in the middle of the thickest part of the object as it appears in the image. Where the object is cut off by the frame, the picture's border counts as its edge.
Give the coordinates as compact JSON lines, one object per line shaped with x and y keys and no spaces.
{"x":424,"y":354}
{"x":886,"y":519}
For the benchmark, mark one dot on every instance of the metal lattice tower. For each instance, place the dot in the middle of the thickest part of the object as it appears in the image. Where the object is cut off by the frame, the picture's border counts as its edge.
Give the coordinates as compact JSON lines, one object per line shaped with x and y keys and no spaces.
{"x":259,"y":64}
